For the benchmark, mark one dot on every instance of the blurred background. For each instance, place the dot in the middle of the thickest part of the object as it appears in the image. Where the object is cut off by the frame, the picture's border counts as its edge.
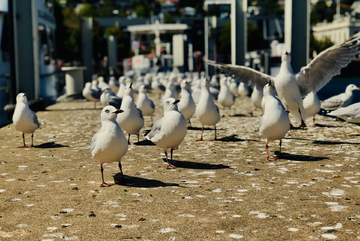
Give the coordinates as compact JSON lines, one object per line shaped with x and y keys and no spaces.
{"x":51,"y":48}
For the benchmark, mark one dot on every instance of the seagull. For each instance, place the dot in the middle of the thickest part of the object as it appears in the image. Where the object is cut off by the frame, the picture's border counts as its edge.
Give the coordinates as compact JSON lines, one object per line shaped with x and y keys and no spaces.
{"x":225,"y":97}
{"x":24,"y":119}
{"x":122,"y":86}
{"x":187,"y":104}
{"x":94,"y":86}
{"x":340,"y":100}
{"x":206,"y":110}
{"x":169,"y":92}
{"x":256,"y":96}
{"x":196,"y":91}
{"x":169,"y":131}
{"x":350,"y":113}
{"x":275,"y":123}
{"x":109,"y":98}
{"x":102,"y":84}
{"x":157,"y":87}
{"x":90,"y":94}
{"x":243,"y":90}
{"x":144,"y":103}
{"x":233,"y":86}
{"x":114,"y":84}
{"x":132,"y":120}
{"x":292,"y":87}
{"x":109,"y":144}
{"x":312,"y":105}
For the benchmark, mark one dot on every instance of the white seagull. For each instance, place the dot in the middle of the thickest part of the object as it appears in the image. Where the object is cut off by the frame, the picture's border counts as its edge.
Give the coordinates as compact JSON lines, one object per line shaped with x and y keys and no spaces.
{"x":225,"y":97}
{"x":350,"y":113}
{"x":122,"y":86}
{"x":144,"y":103}
{"x":169,"y":131}
{"x":91,"y":94}
{"x":132,"y":120}
{"x":292,"y":87}
{"x":257,"y":96}
{"x":206,"y":110}
{"x":312,"y":105}
{"x":109,"y":144}
{"x":24,"y":119}
{"x":340,"y":100}
{"x":275,"y":123}
{"x":187,"y":104}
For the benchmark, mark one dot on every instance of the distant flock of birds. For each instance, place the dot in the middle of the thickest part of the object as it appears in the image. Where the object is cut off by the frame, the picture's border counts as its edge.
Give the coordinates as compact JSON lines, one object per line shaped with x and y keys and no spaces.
{"x":288,"y":92}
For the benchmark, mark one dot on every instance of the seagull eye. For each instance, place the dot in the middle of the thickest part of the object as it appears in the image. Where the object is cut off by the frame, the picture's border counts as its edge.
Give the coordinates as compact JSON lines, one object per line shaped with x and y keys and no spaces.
{"x":107,"y":111}
{"x":167,"y":102}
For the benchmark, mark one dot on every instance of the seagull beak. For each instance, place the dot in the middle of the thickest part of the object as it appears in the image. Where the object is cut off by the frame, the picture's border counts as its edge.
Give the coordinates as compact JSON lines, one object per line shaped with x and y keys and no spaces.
{"x":176,"y":101}
{"x":357,"y":88}
{"x":118,"y":111}
{"x":130,"y":85}
{"x":286,"y":53}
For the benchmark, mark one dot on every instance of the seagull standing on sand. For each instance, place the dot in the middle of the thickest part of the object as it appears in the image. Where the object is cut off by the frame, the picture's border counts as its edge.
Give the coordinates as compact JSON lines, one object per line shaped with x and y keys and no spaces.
{"x":350,"y":113}
{"x":243,"y":90}
{"x":169,"y":131}
{"x":292,"y":87}
{"x":132,"y":120}
{"x":206,"y":110}
{"x":144,"y":103}
{"x":275,"y":123}
{"x":340,"y":100}
{"x":187,"y":105}
{"x":24,"y":119}
{"x":312,"y":105}
{"x":169,"y":92}
{"x":225,"y":97}
{"x":109,"y":144}
{"x":90,"y":94}
{"x":122,"y":86}
{"x":109,"y":98}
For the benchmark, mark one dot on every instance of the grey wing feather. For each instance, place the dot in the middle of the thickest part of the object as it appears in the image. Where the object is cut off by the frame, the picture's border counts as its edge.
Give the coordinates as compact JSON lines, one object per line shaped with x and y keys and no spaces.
{"x":152,"y":104}
{"x":115,"y":101}
{"x":93,"y":143}
{"x":95,"y":94}
{"x":36,"y":121}
{"x":327,"y":65}
{"x":140,"y":113}
{"x":156,"y":128}
{"x":244,"y":74}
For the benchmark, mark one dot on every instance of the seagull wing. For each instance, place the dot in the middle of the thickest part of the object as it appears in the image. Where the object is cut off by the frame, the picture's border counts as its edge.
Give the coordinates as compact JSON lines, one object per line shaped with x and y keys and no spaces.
{"x":152,"y":104}
{"x":327,"y":65}
{"x":156,"y":128}
{"x":244,"y":74}
{"x":35,"y":119}
{"x":93,"y":143}
{"x":350,"y":111}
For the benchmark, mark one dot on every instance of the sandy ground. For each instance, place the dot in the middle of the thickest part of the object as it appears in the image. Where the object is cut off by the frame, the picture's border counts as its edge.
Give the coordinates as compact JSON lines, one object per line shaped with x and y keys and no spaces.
{"x":221,"y":190}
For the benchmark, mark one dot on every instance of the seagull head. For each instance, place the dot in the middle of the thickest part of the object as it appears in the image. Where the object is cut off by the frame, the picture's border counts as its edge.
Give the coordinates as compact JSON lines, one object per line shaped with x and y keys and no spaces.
{"x":171,"y":104}
{"x":269,"y":89}
{"x":21,"y":97}
{"x":101,"y":79}
{"x":205,"y":83}
{"x":185,"y":84}
{"x":350,"y":88}
{"x":142,"y":89}
{"x":129,"y":90}
{"x":109,"y":112}
{"x":122,"y":79}
{"x":286,"y":57}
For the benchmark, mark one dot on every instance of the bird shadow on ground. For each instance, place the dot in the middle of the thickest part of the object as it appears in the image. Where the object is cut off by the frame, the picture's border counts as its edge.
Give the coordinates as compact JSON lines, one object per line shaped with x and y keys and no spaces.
{"x":294,"y":157}
{"x":334,"y":143}
{"x":50,"y":145}
{"x":144,"y":143}
{"x":196,"y":165}
{"x":232,"y":138}
{"x":240,"y":115}
{"x":140,"y":182}
{"x":327,"y":126}
{"x":205,"y":128}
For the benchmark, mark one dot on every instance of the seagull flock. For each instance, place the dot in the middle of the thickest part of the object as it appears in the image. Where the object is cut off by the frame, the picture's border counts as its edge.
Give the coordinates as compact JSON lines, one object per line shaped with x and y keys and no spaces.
{"x":287,"y":93}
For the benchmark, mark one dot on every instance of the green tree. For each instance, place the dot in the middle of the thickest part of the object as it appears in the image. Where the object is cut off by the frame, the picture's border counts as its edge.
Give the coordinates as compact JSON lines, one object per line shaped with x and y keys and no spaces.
{"x":122,"y":41}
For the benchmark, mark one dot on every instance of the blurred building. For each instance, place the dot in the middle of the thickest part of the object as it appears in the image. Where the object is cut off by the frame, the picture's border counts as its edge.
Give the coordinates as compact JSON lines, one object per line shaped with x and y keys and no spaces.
{"x":341,"y":28}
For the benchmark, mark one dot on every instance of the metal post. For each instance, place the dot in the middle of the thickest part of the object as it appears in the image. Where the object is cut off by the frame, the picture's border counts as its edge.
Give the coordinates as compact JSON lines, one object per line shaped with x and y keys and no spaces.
{"x":238,"y":31}
{"x":206,"y":42}
{"x":297,"y":24}
{"x":112,"y":52}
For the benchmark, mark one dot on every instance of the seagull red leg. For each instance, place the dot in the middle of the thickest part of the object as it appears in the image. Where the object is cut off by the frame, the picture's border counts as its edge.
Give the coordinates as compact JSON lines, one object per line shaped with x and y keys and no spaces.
{"x":267,"y":154}
{"x":32,"y":140}
{"x":103,"y":184}
{"x":122,"y":175}
{"x":202,"y":131}
{"x":170,"y":165}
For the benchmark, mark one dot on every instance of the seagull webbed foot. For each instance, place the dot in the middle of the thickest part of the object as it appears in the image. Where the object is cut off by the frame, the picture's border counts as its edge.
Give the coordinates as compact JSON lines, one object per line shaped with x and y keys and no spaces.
{"x":170,"y":166}
{"x":106,"y":184}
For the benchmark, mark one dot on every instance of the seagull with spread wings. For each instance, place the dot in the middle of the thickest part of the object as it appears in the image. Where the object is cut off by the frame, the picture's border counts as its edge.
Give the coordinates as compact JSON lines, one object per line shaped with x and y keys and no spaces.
{"x":291,"y":87}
